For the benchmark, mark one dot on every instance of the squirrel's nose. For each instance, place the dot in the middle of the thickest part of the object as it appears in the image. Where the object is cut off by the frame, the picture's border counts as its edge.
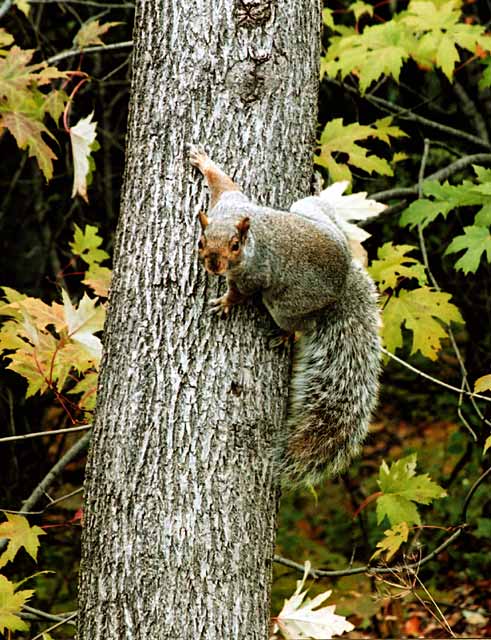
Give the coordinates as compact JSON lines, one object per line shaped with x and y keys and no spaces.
{"x":215,"y":264}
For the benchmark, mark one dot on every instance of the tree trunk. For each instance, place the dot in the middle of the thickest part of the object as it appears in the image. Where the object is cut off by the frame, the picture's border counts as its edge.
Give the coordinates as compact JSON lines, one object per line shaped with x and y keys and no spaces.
{"x":180,"y":503}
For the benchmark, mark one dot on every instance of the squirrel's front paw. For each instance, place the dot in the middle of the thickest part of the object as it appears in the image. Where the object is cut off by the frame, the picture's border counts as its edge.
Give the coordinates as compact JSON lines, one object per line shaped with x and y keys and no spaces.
{"x":197,"y":155}
{"x":221,"y":306}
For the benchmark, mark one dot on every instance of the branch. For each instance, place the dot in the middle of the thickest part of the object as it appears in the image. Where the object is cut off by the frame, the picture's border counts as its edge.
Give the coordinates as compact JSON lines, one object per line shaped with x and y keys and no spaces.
{"x":73,"y":52}
{"x":40,"y":434}
{"x":406,"y":114}
{"x":4,"y":7}
{"x":321,"y":573}
{"x":51,"y":476}
{"x":435,"y":380}
{"x":441,"y":174}
{"x":55,"y":626}
{"x":43,"y":615}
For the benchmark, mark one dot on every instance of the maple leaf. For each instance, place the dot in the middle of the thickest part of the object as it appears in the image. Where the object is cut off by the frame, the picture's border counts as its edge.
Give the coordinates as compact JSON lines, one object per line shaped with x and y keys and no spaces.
{"x":16,"y":75}
{"x":359,"y":8}
{"x":86,"y":245}
{"x":54,"y":103}
{"x":38,"y":363}
{"x":27,"y":133}
{"x":340,"y":138}
{"x":5,"y":41}
{"x":476,"y":241}
{"x":11,"y":603}
{"x":43,"y":315}
{"x":393,"y":264}
{"x":424,"y":312}
{"x":299,"y":619}
{"x":82,"y":137}
{"x":446,"y":197}
{"x":19,"y":534}
{"x":98,"y":279}
{"x":401,"y":488}
{"x":91,"y":32}
{"x":23,"y":5}
{"x":327,"y":18}
{"x":393,"y":540}
{"x":483,"y":384}
{"x":83,"y":322}
{"x":88,"y":388}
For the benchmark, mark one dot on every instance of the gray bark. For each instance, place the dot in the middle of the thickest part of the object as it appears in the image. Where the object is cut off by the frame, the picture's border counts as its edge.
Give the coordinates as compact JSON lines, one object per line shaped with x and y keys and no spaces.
{"x":180,"y":502}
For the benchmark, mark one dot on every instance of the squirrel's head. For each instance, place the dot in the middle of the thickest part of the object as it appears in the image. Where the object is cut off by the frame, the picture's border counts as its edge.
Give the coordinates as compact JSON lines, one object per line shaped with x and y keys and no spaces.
{"x":221,"y":243}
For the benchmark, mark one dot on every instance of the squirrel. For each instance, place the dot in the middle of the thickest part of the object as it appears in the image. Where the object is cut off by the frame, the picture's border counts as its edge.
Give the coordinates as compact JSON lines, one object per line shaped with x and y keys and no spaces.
{"x":301,"y":263}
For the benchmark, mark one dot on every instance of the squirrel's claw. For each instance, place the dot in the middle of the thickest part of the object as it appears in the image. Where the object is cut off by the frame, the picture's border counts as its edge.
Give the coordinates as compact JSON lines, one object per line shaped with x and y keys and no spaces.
{"x":197,"y":155}
{"x":220,"y":306}
{"x":275,"y":341}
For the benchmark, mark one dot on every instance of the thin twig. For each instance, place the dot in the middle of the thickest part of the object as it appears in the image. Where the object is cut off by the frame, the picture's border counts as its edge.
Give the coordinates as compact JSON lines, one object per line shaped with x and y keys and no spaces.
{"x":48,"y":616}
{"x":55,"y":626}
{"x":407,"y":114}
{"x":40,"y":434}
{"x":435,"y":380}
{"x":4,"y":7}
{"x":74,"y":52}
{"x":51,"y":476}
{"x":441,"y":174}
{"x":48,"y":506}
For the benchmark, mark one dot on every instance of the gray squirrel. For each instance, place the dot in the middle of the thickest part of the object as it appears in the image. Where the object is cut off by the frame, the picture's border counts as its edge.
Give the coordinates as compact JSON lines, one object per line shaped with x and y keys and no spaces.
{"x":300,"y":261}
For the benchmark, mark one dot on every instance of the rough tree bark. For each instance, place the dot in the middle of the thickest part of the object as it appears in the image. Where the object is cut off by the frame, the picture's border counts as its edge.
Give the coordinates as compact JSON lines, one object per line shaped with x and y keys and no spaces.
{"x":180,"y":504}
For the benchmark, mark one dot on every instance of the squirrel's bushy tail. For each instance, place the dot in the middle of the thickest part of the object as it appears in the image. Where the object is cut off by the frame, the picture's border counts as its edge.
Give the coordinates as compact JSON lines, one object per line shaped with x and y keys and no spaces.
{"x":334,"y":386}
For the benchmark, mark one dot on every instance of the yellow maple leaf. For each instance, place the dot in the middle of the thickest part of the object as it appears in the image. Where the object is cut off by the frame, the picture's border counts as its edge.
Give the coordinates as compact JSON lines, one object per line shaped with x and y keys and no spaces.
{"x":91,"y":32}
{"x":11,"y":603}
{"x":19,"y":534}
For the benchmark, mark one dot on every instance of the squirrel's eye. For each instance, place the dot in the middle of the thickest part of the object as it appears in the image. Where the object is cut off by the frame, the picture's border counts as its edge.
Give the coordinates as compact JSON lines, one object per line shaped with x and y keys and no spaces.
{"x":201,"y":244}
{"x":235,"y":246}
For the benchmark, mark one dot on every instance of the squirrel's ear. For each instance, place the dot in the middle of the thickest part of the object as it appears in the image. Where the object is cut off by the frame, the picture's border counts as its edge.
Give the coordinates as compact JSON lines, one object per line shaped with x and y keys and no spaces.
{"x":243,"y":227}
{"x":203,"y":220}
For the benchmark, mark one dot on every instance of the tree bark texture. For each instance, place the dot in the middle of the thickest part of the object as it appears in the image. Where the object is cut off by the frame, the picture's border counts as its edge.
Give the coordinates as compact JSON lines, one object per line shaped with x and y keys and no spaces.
{"x":180,"y":502}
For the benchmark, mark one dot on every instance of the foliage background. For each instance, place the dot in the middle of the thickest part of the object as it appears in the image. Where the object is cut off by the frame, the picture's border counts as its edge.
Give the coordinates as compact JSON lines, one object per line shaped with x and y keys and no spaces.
{"x":336,"y":527}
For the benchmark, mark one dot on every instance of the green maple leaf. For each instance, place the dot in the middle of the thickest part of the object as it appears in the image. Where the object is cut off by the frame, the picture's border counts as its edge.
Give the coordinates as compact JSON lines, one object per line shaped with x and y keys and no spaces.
{"x":86,"y":245}
{"x":11,"y":603}
{"x":446,"y":198}
{"x":359,"y":8}
{"x":393,"y":540}
{"x":19,"y":534}
{"x":379,"y":50}
{"x":327,"y":18}
{"x":401,"y":488}
{"x":88,"y":388}
{"x":424,"y":312}
{"x":340,"y":138}
{"x":475,"y":241}
{"x":428,"y":32}
{"x":5,"y":41}
{"x":393,"y":264}
{"x":485,"y":80}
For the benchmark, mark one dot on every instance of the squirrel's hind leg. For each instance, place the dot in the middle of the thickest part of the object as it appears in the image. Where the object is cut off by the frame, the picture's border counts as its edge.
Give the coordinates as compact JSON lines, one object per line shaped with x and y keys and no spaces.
{"x":218,"y":181}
